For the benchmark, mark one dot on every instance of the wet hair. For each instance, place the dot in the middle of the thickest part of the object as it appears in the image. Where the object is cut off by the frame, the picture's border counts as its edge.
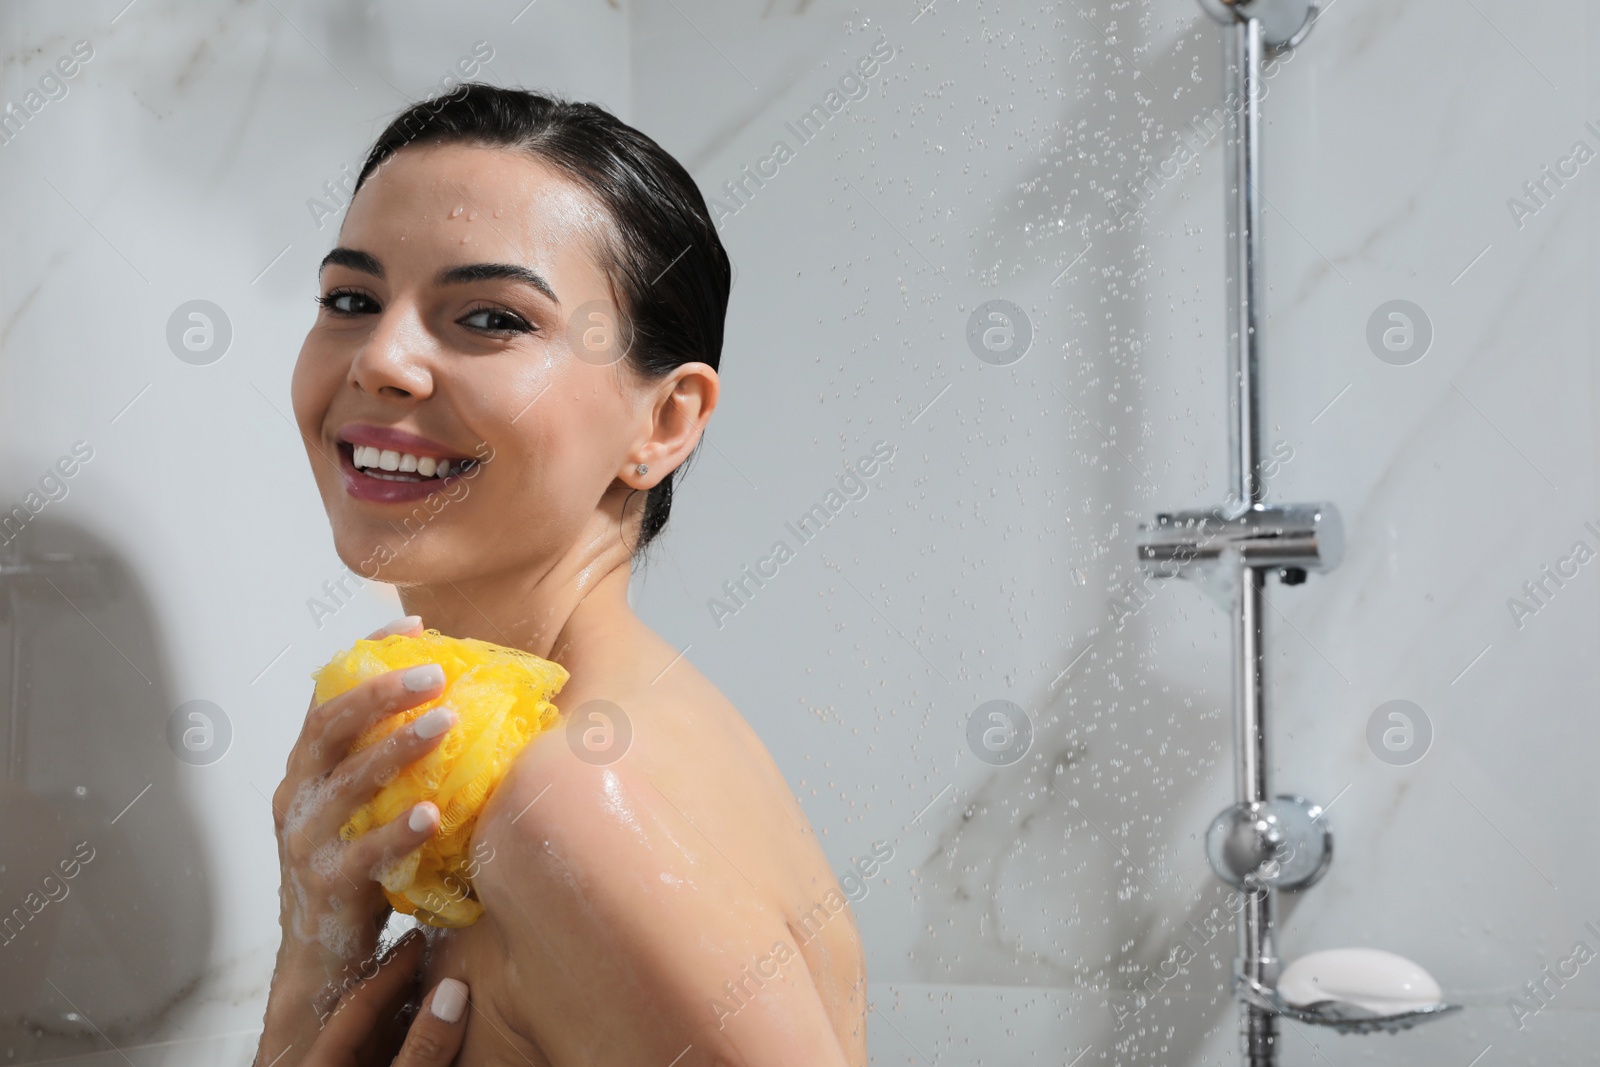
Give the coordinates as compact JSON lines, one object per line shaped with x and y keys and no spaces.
{"x":666,"y":265}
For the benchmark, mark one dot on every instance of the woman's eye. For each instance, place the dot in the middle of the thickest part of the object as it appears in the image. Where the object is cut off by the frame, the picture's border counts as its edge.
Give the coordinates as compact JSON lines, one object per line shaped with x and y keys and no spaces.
{"x":495,"y":320}
{"x":346,"y":302}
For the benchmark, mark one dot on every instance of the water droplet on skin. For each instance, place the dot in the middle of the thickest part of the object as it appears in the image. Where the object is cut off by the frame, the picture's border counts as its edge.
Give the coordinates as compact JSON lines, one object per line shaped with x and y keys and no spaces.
{"x":455,"y":212}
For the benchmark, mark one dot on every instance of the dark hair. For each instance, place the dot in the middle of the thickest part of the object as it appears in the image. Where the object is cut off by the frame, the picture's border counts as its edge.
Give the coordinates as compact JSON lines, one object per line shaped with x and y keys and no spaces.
{"x":668,"y":270}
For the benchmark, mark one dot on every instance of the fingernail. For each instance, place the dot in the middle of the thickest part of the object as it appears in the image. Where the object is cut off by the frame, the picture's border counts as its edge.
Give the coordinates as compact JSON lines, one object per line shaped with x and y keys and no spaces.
{"x":449,"y":999}
{"x":435,"y":722}
{"x":421,"y":817}
{"x":418,"y":679}
{"x":401,"y":625}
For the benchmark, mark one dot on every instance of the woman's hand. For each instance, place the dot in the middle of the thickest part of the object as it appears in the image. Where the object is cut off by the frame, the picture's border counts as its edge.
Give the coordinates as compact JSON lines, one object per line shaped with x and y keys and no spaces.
{"x":359,"y":1032}
{"x":331,"y":905}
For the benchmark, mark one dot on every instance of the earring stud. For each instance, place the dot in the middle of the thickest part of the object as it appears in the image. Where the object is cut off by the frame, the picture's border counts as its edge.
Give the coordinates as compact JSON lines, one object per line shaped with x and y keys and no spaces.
{"x":642,"y":469}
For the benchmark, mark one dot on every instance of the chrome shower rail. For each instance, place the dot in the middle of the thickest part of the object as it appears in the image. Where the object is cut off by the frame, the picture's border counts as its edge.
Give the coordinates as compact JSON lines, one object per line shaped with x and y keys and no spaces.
{"x":1260,"y":844}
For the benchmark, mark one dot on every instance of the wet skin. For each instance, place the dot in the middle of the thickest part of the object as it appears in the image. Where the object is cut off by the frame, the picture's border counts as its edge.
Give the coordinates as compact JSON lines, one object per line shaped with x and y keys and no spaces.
{"x":665,"y":901}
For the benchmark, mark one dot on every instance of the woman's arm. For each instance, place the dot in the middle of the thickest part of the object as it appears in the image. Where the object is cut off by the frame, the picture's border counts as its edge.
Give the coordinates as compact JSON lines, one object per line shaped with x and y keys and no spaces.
{"x":331,"y":909}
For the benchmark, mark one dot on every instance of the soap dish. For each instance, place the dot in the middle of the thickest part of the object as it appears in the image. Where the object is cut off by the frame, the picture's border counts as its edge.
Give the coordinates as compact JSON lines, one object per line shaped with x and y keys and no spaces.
{"x":1353,"y":991}
{"x":1340,"y":1015}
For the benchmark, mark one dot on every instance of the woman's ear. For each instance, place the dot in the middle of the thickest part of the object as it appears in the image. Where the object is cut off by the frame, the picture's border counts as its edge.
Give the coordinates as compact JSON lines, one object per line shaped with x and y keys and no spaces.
{"x":683,"y":403}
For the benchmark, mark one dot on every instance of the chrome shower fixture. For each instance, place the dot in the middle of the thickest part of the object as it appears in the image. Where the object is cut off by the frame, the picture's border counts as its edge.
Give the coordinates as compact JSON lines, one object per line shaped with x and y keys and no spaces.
{"x":1284,"y":23}
{"x":1263,"y":843}
{"x":1294,"y":537}
{"x":1270,"y":844}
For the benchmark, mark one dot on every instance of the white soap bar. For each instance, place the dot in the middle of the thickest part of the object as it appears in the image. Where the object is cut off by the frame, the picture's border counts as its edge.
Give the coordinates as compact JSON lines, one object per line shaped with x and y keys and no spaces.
{"x":1370,"y":978}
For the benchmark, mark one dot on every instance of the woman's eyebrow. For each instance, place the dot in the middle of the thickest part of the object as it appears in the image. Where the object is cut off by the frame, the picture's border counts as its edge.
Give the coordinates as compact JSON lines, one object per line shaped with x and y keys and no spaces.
{"x":479,"y":272}
{"x":365,"y":262}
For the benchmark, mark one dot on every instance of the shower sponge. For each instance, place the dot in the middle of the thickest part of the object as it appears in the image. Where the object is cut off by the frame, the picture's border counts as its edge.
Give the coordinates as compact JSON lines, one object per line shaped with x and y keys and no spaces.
{"x":501,"y":697}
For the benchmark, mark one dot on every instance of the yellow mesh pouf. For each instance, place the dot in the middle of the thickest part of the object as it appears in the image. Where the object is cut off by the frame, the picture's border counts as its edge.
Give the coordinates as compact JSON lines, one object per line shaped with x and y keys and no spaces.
{"x":501,"y":697}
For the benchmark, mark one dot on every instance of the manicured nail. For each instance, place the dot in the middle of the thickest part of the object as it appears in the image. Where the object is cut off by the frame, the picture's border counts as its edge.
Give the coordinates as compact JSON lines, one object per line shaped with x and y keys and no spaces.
{"x":435,"y":722}
{"x":400,"y":626}
{"x":419,"y":679}
{"x":449,"y":999}
{"x":422,"y":817}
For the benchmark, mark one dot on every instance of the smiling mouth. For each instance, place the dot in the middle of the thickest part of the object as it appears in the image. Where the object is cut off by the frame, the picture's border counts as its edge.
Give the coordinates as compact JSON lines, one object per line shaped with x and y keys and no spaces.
{"x":394,"y":466}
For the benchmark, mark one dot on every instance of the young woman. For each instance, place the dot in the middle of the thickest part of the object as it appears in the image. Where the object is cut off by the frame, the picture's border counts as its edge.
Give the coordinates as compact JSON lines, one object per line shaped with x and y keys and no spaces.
{"x":517,"y":347}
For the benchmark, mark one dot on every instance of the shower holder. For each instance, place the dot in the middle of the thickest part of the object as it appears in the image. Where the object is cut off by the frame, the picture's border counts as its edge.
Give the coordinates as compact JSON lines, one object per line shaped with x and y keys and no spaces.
{"x":1304,"y":537}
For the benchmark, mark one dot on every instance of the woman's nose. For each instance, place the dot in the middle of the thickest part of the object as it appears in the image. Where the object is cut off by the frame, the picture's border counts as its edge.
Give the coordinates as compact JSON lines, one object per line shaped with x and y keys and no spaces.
{"x":396,"y":357}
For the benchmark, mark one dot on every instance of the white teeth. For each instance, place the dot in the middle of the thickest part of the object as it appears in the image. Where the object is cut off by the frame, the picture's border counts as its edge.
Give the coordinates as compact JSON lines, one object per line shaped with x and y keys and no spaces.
{"x":368,"y":457}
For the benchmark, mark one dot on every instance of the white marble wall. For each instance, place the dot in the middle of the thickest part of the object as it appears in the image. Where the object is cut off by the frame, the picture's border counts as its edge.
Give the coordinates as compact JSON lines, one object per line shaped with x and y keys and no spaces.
{"x":983,"y":162}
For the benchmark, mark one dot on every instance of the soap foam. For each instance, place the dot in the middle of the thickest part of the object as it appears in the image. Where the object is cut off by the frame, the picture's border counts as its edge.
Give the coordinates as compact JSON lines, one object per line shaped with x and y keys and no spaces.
{"x":310,"y":800}
{"x":302,"y":908}
{"x":340,"y":938}
{"x":325,"y":861}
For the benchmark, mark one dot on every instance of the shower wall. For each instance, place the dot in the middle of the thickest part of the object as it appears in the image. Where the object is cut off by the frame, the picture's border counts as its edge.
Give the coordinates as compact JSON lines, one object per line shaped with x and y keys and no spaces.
{"x":1066,"y":159}
{"x":982,"y":245}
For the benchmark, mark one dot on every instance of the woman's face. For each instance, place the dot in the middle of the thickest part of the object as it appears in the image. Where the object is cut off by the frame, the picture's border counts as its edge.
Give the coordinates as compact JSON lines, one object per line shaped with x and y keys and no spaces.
{"x":446,"y":314}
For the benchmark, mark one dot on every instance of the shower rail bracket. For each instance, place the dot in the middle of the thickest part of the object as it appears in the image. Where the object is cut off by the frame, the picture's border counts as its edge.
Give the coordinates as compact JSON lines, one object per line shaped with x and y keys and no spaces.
{"x":1291,"y":537}
{"x":1284,"y":23}
{"x":1284,"y":843}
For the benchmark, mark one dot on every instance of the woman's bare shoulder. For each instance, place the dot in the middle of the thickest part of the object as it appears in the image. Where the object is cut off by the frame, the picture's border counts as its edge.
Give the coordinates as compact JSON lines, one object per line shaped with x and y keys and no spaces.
{"x":650,"y":764}
{"x":644,"y":864}
{"x":646,"y":751}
